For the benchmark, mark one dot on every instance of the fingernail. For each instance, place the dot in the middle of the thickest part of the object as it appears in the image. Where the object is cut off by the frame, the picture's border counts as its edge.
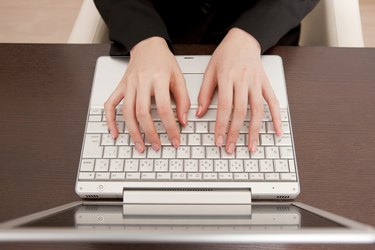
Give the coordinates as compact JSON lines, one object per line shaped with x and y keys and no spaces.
{"x":175,"y":143}
{"x":199,"y":110}
{"x":254,"y":146}
{"x":155,"y":146}
{"x":184,"y":119}
{"x":231,"y":148}
{"x":219,"y":141}
{"x":138,"y":147}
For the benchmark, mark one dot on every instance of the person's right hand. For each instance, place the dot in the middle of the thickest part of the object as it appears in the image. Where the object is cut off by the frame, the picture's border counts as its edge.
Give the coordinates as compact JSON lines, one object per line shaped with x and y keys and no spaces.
{"x":152,"y":71}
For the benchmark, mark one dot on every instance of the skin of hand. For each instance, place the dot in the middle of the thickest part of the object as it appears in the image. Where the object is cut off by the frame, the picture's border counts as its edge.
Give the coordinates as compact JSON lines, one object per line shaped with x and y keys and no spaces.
{"x":152,"y":71}
{"x":236,"y":70}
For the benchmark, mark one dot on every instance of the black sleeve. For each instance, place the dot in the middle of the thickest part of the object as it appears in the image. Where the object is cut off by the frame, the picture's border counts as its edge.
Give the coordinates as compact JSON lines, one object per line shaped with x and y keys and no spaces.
{"x":129,"y":22}
{"x":269,"y":20}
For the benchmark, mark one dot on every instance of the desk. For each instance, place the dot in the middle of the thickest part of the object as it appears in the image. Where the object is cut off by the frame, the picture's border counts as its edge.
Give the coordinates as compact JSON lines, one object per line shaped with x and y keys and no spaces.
{"x":44,"y":96}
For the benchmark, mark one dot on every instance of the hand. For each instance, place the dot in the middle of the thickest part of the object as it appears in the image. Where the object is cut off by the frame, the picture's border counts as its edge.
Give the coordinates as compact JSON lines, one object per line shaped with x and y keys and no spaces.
{"x":236,"y":69}
{"x":152,"y":71}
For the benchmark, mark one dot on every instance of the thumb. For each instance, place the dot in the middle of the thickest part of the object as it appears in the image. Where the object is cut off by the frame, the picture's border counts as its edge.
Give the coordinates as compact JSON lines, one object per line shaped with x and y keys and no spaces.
{"x":206,"y":91}
{"x":181,"y":97}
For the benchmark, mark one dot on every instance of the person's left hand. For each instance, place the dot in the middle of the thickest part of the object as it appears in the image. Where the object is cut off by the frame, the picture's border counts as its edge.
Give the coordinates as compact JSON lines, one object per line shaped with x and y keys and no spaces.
{"x":236,"y":69}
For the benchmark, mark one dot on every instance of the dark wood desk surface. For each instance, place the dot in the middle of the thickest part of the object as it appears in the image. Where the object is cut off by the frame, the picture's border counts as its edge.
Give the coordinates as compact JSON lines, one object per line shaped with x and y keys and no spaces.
{"x":44,"y":96}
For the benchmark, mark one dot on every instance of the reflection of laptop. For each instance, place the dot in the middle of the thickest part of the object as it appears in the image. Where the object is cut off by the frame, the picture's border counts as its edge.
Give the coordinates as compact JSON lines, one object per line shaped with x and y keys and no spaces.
{"x":114,"y":169}
{"x":199,"y":194}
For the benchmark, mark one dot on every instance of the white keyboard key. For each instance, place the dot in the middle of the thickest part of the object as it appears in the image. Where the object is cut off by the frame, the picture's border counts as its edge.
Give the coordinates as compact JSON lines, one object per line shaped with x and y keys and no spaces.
{"x":258,"y":154}
{"x":131,"y":165}
{"x":110,"y":152}
{"x":271,"y":176}
{"x":95,"y":118}
{"x":241,"y":140}
{"x":292,"y":167}
{"x":101,"y":127}
{"x":251,"y":165}
{"x":235,"y":165}
{"x":224,"y":154}
{"x":183,"y":139}
{"x":85,"y":176}
{"x":151,"y":153}
{"x":242,"y":153}
{"x":281,"y":166}
{"x":118,"y":176}
{"x":241,"y":176}
{"x":102,"y":176}
{"x":133,"y":176}
{"x":159,"y":127}
{"x":286,"y":128}
{"x":221,"y":165}
{"x":270,"y":128}
{"x":194,"y":140}
{"x":146,"y":165}
{"x":284,"y":140}
{"x":212,"y":152}
{"x":256,"y":176}
{"x":284,"y":115}
{"x":210,"y":176}
{"x":137,"y":154}
{"x":124,"y":152}
{"x":267,"y":115}
{"x":176,"y":165}
{"x":116,"y":165}
{"x":107,"y":140}
{"x":189,"y":128}
{"x":245,"y":128}
{"x":92,"y":148}
{"x":87,"y":165}
{"x":168,"y":152}
{"x":201,"y":127}
{"x":122,"y":139}
{"x":272,"y":153}
{"x":148,"y":176}
{"x":96,"y":111}
{"x":154,"y":114}
{"x":164,"y":140}
{"x":206,"y":165}
{"x":194,"y":176}
{"x":178,"y":176}
{"x":266,"y":165}
{"x":226,"y":176}
{"x":161,"y":165}
{"x":191,"y":165}
{"x":286,"y":152}
{"x":262,"y":128}
{"x":208,"y":139}
{"x":197,"y":152}
{"x":210,"y":115}
{"x":183,"y":152}
{"x":163,"y":176}
{"x":266,"y":140}
{"x":211,"y":127}
{"x":288,"y":176}
{"x":101,"y":165}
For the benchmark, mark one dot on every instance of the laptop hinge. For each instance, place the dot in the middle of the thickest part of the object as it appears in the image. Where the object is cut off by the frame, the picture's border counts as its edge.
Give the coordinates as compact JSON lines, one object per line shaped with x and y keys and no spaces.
{"x":187,"y":196}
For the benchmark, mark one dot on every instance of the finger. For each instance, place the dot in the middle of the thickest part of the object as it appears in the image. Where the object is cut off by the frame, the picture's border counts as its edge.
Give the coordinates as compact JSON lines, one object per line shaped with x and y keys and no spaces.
{"x":225,"y":99}
{"x":110,"y":110}
{"x":256,"y":106}
{"x":163,"y":104}
{"x":128,"y":111}
{"x":142,"y":111}
{"x":206,"y":91}
{"x":273,"y":104}
{"x":181,"y":97}
{"x":239,"y":114}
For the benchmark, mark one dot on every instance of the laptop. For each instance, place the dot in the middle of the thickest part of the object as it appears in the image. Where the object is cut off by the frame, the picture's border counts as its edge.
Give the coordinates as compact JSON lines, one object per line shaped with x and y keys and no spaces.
{"x":195,"y":193}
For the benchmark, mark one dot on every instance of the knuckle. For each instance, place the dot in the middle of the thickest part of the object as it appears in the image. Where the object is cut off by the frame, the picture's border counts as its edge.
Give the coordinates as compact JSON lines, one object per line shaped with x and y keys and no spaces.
{"x":163,"y":109}
{"x":240,"y":111}
{"x":141,"y":113}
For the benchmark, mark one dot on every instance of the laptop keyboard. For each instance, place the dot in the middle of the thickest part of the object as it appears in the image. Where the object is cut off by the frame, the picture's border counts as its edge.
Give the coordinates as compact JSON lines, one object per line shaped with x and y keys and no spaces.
{"x":197,"y":158}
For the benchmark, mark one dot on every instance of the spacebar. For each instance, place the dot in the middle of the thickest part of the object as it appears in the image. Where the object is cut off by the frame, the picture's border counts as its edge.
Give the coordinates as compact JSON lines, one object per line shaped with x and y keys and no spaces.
{"x":187,"y":196}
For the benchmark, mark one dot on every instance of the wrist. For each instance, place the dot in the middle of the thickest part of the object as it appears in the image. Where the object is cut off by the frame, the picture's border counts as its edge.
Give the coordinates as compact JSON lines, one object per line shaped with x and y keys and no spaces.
{"x":246,"y":37}
{"x":155,"y":41}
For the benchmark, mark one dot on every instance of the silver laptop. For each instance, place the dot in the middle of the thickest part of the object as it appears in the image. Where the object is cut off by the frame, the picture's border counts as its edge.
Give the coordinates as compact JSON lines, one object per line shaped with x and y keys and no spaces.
{"x":196,"y":193}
